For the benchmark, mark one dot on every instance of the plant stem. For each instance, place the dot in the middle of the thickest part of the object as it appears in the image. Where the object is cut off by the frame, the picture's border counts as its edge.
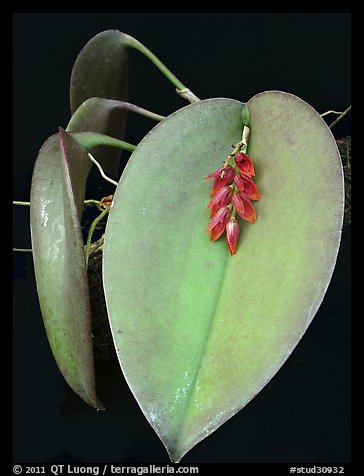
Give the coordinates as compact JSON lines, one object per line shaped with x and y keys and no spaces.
{"x":91,"y":231}
{"x":101,"y":171}
{"x":143,"y":112}
{"x":330,"y":112}
{"x":343,"y":114}
{"x":134,"y":43}
{"x":91,"y":203}
{"x":84,"y":108}
{"x":23,"y":250}
{"x":87,"y":203}
{"x":26,"y":204}
{"x":93,"y":139}
{"x":188,"y":94}
{"x":181,"y":88}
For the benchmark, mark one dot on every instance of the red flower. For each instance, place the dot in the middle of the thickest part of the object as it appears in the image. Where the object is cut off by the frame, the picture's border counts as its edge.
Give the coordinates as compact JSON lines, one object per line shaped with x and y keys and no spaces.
{"x":222,"y":177}
{"x":245,"y":184}
{"x":244,"y":207}
{"x":232,"y":235}
{"x":244,"y":164}
{"x":221,"y":199}
{"x":218,"y":223}
{"x":232,"y":190}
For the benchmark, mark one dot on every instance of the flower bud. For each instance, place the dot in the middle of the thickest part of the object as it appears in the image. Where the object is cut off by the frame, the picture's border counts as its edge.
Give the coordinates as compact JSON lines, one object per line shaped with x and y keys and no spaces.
{"x":244,"y":207}
{"x":218,"y":222}
{"x":221,"y":199}
{"x":232,"y":235}
{"x":244,"y":164}
{"x":222,"y":177}
{"x":245,"y":184}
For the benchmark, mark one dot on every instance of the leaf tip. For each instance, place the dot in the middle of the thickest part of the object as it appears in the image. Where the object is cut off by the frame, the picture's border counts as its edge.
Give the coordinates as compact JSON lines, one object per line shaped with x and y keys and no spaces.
{"x":99,"y":406}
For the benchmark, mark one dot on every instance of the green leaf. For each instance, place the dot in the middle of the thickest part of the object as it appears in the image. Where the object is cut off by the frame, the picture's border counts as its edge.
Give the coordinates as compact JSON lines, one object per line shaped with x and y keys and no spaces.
{"x":102,"y":116}
{"x":199,"y":333}
{"x":101,"y":71}
{"x":57,"y":194}
{"x":94,"y":139}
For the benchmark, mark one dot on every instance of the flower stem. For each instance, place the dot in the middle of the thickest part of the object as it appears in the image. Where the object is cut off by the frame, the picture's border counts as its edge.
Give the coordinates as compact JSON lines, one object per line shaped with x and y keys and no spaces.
{"x":23,"y":250}
{"x":233,"y":209}
{"x":181,"y":88}
{"x":91,"y":231}
{"x":241,"y":145}
{"x":245,"y":139}
{"x":230,"y":156}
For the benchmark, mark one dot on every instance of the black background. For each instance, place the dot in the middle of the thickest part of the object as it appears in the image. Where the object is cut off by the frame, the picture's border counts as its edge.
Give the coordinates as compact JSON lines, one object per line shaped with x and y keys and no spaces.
{"x":303,"y":415}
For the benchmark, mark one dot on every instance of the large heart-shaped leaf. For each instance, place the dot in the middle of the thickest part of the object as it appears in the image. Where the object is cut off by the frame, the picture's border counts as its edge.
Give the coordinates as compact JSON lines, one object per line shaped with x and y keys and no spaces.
{"x":101,"y":71}
{"x":199,"y":333}
{"x":57,"y":194}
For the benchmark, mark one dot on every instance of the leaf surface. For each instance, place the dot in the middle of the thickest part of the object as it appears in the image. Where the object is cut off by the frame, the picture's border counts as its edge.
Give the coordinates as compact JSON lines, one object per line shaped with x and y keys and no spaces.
{"x":57,"y":194}
{"x":199,"y":333}
{"x":101,"y":71}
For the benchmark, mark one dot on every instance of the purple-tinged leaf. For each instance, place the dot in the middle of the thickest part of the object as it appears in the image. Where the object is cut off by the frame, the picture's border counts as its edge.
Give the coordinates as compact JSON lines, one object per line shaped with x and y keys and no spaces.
{"x":104,"y":116}
{"x":57,"y":194}
{"x":101,"y":71}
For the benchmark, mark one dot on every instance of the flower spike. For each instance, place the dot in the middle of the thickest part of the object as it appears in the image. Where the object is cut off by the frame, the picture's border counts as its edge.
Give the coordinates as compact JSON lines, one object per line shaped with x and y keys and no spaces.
{"x":232,"y":191}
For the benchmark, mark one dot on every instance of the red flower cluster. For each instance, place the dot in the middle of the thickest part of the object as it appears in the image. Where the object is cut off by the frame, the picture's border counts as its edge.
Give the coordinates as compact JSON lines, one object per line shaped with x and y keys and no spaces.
{"x":232,"y":191}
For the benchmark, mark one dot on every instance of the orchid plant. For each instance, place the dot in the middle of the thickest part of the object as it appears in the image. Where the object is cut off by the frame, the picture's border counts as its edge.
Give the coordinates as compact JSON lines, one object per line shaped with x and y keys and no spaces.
{"x":199,"y":327}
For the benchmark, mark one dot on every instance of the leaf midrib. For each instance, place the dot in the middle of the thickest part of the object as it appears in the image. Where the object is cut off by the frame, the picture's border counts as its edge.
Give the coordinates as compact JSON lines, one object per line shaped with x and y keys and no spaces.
{"x":192,"y":387}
